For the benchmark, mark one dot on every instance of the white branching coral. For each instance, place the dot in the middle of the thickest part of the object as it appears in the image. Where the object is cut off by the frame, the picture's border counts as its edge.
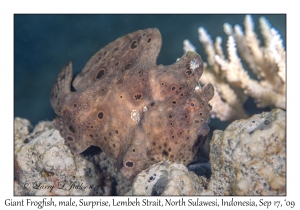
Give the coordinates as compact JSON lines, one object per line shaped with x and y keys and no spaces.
{"x":232,"y":83}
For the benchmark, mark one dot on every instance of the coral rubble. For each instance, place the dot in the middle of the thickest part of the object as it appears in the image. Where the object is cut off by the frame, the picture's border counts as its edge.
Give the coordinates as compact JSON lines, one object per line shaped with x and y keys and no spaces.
{"x":230,"y":79}
{"x":248,"y":158}
{"x":137,"y":112}
{"x":45,"y":166}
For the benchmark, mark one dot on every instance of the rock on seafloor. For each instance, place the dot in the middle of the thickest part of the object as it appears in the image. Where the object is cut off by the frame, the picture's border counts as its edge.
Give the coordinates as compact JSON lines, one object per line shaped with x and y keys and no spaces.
{"x":45,"y":166}
{"x":167,"y":178}
{"x":247,"y":158}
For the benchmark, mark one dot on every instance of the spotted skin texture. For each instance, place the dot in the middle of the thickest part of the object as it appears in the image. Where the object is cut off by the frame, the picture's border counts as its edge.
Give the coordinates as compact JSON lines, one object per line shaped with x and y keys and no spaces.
{"x":137,"y":112}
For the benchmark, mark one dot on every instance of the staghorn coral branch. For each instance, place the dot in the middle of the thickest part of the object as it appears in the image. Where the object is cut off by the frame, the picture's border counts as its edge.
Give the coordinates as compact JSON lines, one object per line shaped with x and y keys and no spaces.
{"x":205,"y":39}
{"x":236,"y":75}
{"x":252,"y":41}
{"x":265,"y":62}
{"x":188,"y":46}
{"x":278,"y":52}
{"x":265,"y":28}
{"x":242,"y":46}
{"x":232,"y":82}
{"x":218,"y":48}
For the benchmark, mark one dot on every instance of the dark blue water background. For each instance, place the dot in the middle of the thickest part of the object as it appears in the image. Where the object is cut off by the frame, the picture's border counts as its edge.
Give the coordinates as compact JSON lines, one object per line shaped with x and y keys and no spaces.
{"x":43,"y":44}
